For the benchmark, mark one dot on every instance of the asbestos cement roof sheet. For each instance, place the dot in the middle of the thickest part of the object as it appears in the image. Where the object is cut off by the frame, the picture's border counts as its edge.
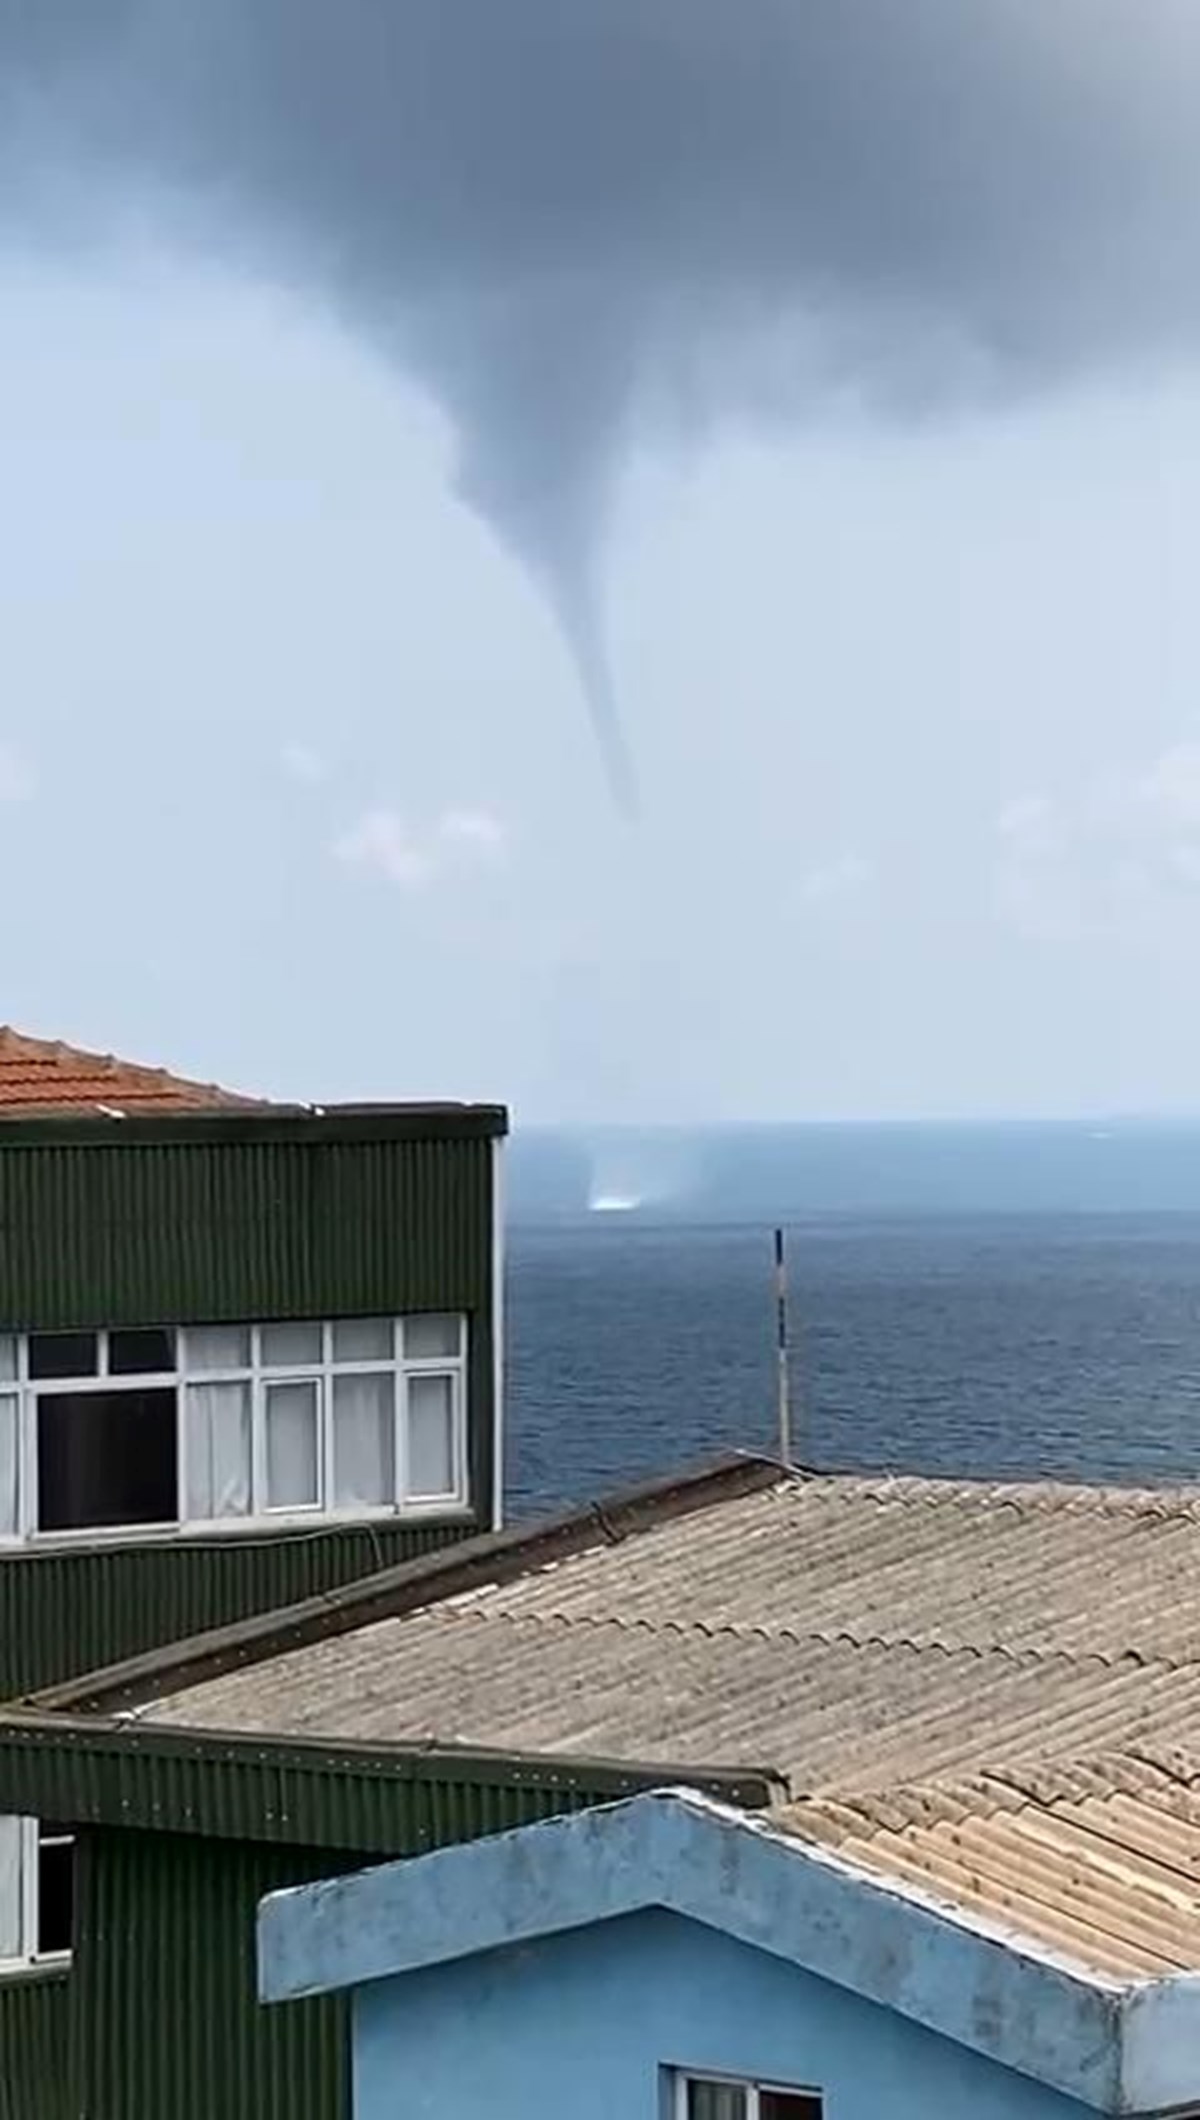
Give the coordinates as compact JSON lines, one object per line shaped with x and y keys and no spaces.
{"x":1098,"y":1862}
{"x":825,"y":1627}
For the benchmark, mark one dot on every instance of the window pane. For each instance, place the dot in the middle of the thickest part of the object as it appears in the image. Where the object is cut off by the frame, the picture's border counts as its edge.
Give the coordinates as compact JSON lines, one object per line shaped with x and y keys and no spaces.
{"x":218,"y":1449}
{"x":106,"y":1458}
{"x":143,"y":1352}
{"x":432,"y":1339}
{"x":364,"y":1440}
{"x":13,"y":1842}
{"x":292,"y":1458}
{"x":716,"y":2101}
{"x":431,"y":1454}
{"x":8,"y":1358}
{"x":217,"y":1347}
{"x":63,"y":1354}
{"x":788,"y":2105}
{"x":10,"y":1477}
{"x":56,"y":1892}
{"x":291,"y":1346}
{"x":364,"y":1340}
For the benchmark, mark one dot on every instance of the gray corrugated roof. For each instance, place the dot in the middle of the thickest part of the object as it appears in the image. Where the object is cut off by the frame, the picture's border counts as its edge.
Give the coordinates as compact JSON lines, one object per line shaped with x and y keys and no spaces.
{"x":825,"y":1626}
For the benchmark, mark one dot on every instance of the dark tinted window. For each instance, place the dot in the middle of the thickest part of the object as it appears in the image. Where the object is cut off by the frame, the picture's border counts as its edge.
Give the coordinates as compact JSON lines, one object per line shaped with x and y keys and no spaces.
{"x":145,"y":1352}
{"x":106,"y":1458}
{"x":63,"y":1354}
{"x":56,"y":1890}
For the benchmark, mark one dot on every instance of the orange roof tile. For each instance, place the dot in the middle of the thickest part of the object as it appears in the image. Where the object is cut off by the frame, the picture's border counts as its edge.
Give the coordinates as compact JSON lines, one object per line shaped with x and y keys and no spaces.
{"x":40,"y":1079}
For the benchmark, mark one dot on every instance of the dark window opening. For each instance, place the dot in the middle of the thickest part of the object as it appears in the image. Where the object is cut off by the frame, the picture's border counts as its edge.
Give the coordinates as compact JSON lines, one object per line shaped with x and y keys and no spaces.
{"x":63,"y":1354}
{"x":56,"y":1890}
{"x":717,"y":2098}
{"x":107,"y":1458}
{"x":717,"y":2101}
{"x":148,"y":1351}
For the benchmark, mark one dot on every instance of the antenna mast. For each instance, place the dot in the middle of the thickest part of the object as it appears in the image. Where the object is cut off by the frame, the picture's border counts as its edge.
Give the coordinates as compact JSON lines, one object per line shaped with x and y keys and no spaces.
{"x":783,"y":1381}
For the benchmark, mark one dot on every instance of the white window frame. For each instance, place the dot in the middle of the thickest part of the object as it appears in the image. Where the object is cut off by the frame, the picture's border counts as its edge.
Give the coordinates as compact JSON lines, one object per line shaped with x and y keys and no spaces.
{"x":259,"y":1376}
{"x":28,"y":1957}
{"x":751,"y":2088}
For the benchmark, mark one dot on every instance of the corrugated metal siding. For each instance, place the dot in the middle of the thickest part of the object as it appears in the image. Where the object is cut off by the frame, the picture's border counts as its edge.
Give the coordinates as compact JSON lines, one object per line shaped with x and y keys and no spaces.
{"x":145,"y":1232}
{"x":34,"y":2027}
{"x":164,"y":2016}
{"x":163,"y":2008}
{"x":64,"y":1613}
{"x":308,"y":1796}
{"x":119,"y":1231}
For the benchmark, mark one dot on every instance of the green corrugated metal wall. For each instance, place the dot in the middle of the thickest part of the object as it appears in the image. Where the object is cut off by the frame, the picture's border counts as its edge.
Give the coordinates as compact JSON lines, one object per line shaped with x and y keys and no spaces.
{"x":65,"y":1613}
{"x":169,"y":1224}
{"x":258,"y":1219}
{"x":161,"y":2016}
{"x":148,"y":1232}
{"x":34,"y":2025}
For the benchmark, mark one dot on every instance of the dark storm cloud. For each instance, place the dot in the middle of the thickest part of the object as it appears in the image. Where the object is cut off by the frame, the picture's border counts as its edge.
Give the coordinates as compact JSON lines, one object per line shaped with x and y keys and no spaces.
{"x":558,"y":211}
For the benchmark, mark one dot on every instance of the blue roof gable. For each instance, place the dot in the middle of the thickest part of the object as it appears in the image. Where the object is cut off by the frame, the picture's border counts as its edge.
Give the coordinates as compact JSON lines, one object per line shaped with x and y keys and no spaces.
{"x":1118,"y":2048}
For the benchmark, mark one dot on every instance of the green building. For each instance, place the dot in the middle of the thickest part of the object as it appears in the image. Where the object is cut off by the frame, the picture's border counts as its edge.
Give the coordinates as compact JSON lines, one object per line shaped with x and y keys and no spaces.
{"x":247,"y":1354}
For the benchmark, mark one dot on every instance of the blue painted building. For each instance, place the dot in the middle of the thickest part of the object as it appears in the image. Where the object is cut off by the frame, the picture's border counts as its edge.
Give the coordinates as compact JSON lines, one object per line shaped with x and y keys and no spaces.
{"x":1012,"y":1948}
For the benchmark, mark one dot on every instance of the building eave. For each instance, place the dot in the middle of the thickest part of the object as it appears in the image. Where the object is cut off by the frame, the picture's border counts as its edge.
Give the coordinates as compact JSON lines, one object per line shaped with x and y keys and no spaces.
{"x":378,"y":1799}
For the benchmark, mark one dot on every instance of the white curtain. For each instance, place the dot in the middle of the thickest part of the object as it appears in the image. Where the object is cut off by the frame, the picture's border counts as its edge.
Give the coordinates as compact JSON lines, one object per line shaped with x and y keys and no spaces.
{"x":217,"y":1417}
{"x":716,"y":2101}
{"x":10,"y":1466}
{"x":14,"y":1843}
{"x":431,"y":1453}
{"x":293,"y":1464}
{"x":364,"y":1440}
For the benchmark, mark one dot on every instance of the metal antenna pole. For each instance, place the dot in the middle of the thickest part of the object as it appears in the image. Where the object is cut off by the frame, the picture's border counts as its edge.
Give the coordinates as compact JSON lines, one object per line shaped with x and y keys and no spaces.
{"x":783,"y":1383}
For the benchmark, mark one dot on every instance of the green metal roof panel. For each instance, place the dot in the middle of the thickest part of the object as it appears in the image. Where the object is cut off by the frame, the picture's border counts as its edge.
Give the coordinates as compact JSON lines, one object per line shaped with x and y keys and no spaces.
{"x":382,"y":1800}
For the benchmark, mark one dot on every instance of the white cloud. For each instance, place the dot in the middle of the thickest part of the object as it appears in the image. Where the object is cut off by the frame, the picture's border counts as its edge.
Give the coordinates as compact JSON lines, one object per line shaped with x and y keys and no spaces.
{"x":382,"y":844}
{"x":17,"y":779}
{"x":304,"y":764}
{"x":1117,"y":858}
{"x":843,"y":877}
{"x":476,"y":830}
